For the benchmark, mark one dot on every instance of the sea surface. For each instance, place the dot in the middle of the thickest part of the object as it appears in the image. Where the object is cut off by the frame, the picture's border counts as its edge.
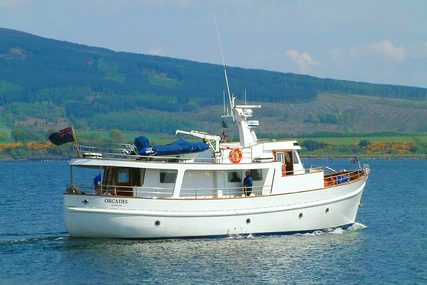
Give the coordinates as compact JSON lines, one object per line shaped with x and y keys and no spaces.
{"x":387,"y":245}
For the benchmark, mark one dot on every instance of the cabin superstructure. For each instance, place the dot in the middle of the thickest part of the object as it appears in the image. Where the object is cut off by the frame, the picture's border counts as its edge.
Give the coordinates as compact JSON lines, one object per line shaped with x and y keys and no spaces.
{"x":275,"y":167}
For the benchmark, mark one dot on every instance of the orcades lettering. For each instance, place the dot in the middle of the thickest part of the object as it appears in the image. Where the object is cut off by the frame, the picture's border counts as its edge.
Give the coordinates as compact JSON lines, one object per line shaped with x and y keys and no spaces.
{"x":116,"y":201}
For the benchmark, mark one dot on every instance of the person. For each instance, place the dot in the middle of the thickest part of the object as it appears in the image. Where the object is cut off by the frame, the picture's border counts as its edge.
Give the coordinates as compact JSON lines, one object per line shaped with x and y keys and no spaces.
{"x":97,"y":182}
{"x":247,"y":183}
{"x":235,"y":178}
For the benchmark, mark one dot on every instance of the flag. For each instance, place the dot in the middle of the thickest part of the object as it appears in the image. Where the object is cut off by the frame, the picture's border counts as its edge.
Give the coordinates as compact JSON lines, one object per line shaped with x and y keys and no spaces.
{"x":224,"y":125}
{"x":62,"y":136}
{"x":355,"y":159}
{"x":224,"y":136}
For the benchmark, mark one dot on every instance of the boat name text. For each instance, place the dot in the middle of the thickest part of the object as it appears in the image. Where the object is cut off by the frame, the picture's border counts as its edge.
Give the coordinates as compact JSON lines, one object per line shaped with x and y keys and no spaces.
{"x":116,"y":201}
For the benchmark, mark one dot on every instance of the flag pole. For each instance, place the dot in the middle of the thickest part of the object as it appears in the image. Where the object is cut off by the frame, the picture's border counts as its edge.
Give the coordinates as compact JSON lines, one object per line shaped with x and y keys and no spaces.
{"x":75,"y":141}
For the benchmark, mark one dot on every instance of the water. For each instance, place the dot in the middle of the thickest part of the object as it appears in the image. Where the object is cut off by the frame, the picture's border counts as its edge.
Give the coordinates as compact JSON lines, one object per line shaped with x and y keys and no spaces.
{"x":387,"y":245}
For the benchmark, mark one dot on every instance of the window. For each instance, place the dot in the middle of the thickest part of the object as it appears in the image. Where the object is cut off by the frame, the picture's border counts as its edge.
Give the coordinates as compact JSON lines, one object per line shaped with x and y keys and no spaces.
{"x":234,"y":176}
{"x":135,"y":176}
{"x":256,"y":174}
{"x":168,"y":177}
{"x":296,"y":160}
{"x":280,"y":157}
{"x":122,"y":176}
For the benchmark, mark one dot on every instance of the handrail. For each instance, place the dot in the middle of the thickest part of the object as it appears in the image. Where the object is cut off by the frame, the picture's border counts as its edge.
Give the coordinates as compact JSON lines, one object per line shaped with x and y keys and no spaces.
{"x":163,"y":192}
{"x":345,"y":176}
{"x":222,"y":192}
{"x":118,"y":152}
{"x":314,"y":166}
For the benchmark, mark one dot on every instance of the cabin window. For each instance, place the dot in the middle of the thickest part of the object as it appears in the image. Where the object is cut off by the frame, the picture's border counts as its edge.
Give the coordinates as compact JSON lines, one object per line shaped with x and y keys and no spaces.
{"x":234,"y":176}
{"x":168,"y":177}
{"x":280,"y":157}
{"x":256,"y":174}
{"x":122,"y":176}
{"x":296,"y":160}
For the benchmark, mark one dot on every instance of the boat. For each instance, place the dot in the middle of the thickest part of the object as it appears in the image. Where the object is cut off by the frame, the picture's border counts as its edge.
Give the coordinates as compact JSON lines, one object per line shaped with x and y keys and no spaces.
{"x":146,"y":192}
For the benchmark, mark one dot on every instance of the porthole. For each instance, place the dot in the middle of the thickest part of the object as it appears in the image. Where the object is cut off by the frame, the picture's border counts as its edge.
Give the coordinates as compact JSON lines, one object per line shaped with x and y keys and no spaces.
{"x":300,"y":215}
{"x":248,"y":221}
{"x":157,"y":223}
{"x":327,"y":210}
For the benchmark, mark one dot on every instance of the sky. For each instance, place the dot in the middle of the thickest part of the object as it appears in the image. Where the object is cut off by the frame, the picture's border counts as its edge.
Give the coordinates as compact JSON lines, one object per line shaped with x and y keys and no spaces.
{"x":370,"y":41}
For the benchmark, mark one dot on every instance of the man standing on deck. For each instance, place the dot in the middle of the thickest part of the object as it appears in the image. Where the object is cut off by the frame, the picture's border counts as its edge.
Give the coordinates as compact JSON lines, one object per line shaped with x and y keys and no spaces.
{"x":247,"y":183}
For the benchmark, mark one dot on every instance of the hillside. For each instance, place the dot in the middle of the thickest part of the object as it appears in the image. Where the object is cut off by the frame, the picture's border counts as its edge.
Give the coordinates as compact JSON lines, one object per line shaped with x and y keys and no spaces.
{"x":46,"y":83}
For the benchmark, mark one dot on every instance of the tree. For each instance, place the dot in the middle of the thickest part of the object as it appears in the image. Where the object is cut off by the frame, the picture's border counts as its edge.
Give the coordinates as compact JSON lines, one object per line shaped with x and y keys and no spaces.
{"x":18,"y":135}
{"x":116,"y":136}
{"x":364,"y":143}
{"x":313,"y":145}
{"x":191,"y":107}
{"x":3,"y":136}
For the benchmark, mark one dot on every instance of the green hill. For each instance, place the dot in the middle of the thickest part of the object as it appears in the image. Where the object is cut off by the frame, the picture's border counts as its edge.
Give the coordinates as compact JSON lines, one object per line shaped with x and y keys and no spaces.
{"x":45,"y":83}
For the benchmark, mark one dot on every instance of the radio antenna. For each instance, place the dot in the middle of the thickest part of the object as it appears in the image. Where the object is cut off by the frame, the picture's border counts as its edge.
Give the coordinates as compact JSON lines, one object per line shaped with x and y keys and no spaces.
{"x":223,"y":62}
{"x":223,"y":95}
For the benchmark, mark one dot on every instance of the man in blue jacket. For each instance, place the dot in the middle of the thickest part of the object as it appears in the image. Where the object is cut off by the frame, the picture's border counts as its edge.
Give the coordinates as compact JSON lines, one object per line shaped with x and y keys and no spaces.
{"x":247,"y":183}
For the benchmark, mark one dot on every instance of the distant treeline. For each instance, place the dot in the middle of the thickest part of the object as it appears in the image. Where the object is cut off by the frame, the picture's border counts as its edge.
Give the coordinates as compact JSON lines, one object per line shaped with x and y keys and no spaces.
{"x":333,"y":135}
{"x":50,"y":79}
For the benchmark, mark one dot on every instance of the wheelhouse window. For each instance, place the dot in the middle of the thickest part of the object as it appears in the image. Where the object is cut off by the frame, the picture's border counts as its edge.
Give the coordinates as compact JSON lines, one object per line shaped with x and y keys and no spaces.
{"x":296,"y":160}
{"x":280,"y":157}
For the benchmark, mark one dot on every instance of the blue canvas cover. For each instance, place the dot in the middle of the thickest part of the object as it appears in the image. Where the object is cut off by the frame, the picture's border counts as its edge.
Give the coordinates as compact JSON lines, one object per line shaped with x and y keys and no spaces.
{"x":177,"y":147}
{"x":342,"y":179}
{"x":180,"y":147}
{"x":141,"y":142}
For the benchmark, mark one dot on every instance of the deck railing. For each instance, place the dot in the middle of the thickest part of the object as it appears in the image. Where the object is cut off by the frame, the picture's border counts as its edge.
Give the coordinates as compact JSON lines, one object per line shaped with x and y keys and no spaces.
{"x":160,"y":192}
{"x":345,"y":176}
{"x":122,"y":151}
{"x":223,"y":192}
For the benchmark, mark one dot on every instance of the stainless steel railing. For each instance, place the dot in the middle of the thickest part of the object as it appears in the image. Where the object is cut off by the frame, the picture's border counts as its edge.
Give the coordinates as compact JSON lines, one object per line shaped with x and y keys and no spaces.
{"x":122,"y":151}
{"x":227,"y":192}
{"x":345,"y":176}
{"x":164,"y":192}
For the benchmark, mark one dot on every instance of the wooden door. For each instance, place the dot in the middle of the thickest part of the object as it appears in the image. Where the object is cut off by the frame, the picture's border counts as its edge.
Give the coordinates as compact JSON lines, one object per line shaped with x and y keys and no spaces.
{"x":289,"y":163}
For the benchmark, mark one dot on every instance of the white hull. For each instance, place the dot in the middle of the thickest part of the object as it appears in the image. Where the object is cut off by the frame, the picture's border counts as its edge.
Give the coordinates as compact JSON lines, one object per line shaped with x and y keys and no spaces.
{"x":123,"y":217}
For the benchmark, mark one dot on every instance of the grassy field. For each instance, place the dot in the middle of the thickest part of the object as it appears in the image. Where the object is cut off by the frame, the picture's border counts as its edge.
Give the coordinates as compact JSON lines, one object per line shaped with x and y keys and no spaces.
{"x":356,"y":140}
{"x":130,"y":136}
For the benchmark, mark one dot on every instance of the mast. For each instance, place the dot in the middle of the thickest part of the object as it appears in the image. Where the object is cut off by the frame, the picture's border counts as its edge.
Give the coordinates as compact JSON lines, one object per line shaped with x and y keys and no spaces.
{"x":223,"y":61}
{"x":240,"y":113}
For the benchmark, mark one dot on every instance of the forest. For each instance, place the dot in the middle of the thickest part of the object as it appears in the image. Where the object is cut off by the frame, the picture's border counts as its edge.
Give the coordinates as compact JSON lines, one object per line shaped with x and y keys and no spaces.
{"x":45,"y":84}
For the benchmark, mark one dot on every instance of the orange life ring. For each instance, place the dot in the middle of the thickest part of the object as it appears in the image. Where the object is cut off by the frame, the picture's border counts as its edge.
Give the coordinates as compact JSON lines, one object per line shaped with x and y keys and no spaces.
{"x":236,"y":155}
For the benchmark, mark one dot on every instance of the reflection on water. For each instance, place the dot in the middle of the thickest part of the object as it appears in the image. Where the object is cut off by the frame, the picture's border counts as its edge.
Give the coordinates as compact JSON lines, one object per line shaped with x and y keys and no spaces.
{"x":271,"y":259}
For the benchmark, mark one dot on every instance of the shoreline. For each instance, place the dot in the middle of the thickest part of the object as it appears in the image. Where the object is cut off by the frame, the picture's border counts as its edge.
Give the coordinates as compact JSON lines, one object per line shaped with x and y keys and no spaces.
{"x":302,"y":156}
{"x":382,"y":157}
